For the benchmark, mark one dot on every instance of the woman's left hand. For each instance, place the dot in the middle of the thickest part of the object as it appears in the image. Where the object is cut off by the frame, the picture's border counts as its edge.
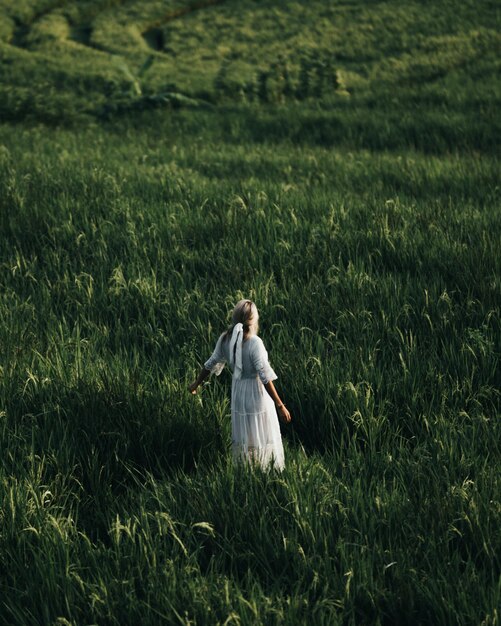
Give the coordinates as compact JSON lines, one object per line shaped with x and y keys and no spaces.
{"x":193,"y":388}
{"x":284,"y":414}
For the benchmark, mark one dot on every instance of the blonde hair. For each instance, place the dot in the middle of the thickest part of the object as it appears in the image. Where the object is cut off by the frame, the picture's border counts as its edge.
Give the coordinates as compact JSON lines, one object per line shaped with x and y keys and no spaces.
{"x":245,"y":313}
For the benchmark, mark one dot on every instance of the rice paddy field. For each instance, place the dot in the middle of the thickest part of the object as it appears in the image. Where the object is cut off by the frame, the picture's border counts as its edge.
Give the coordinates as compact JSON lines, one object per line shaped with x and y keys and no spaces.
{"x":338,"y":163}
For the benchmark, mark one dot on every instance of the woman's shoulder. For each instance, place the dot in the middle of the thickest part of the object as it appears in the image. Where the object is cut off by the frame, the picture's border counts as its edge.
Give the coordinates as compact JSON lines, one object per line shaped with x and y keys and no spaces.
{"x":255,"y":341}
{"x":223,"y":335}
{"x":221,"y":338}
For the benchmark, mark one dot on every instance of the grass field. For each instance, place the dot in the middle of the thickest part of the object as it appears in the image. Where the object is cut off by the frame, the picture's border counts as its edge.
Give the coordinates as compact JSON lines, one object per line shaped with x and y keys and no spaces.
{"x":337,"y":162}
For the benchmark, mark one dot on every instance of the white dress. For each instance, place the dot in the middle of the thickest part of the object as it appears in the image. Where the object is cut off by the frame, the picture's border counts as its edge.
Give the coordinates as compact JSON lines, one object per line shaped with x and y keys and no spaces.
{"x":254,"y":422}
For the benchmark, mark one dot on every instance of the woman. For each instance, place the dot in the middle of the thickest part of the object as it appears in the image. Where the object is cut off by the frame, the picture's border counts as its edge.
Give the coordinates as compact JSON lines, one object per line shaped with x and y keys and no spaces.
{"x":254,"y":422}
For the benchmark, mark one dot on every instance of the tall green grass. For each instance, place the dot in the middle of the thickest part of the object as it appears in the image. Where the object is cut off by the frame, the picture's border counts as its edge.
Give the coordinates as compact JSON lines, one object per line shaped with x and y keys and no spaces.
{"x":377,"y":277}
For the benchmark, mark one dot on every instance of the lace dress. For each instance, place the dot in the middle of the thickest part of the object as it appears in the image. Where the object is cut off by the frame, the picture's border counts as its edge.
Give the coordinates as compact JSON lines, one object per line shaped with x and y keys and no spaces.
{"x":254,"y":422}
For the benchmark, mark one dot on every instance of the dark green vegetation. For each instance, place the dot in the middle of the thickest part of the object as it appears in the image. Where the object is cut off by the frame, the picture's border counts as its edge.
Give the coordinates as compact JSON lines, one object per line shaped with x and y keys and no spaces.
{"x":337,"y":162}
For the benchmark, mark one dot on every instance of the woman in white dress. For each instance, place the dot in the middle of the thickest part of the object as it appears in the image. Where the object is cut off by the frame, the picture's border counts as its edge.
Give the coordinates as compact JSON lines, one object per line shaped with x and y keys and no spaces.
{"x":254,"y":400}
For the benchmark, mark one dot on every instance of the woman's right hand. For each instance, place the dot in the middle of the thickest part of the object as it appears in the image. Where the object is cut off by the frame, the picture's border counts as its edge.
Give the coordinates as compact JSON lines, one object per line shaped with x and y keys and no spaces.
{"x":193,"y":388}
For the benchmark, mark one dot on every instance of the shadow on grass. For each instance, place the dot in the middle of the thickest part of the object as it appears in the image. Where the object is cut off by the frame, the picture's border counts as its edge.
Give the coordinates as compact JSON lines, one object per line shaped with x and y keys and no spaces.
{"x":105,"y":441}
{"x":355,"y":125}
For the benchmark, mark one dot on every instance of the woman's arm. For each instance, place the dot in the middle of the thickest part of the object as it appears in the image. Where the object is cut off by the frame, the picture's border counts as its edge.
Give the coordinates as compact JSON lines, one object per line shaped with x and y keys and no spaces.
{"x":200,"y":379}
{"x":214,"y":365}
{"x":281,"y":408}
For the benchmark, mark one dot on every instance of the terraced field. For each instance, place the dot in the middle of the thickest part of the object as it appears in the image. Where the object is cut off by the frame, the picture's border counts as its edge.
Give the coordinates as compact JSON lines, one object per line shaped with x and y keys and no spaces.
{"x":66,"y":59}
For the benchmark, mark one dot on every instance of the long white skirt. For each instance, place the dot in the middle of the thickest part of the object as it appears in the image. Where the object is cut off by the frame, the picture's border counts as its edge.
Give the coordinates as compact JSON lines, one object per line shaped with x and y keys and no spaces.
{"x":255,"y":429}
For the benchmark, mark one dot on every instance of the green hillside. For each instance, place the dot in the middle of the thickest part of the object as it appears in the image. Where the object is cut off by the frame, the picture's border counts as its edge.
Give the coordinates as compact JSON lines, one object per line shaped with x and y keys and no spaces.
{"x":337,"y":162}
{"x":61,"y":60}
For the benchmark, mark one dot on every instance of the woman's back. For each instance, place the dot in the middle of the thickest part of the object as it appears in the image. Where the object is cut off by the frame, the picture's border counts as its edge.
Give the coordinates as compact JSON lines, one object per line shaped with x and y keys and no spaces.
{"x":254,"y":358}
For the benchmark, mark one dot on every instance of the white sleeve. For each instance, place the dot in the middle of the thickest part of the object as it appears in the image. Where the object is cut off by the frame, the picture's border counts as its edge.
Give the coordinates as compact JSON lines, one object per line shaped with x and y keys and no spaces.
{"x":259,"y":359}
{"x":217,"y":360}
